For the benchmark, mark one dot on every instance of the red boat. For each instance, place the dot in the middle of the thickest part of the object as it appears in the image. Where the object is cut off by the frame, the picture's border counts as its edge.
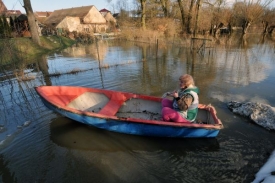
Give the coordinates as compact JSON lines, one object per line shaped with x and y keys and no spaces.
{"x":125,"y":112}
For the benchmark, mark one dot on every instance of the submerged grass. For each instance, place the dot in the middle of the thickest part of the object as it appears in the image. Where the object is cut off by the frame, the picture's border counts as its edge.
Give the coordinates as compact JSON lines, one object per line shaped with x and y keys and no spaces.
{"x":16,"y":50}
{"x":17,"y":53}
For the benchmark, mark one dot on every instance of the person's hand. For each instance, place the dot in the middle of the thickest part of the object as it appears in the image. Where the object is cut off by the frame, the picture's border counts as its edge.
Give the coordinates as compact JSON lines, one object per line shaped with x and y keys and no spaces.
{"x":175,"y":94}
{"x":169,"y":94}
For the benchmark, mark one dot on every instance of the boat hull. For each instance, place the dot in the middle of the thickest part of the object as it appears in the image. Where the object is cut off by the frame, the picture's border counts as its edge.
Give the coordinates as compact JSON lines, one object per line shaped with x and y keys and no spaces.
{"x":136,"y":128}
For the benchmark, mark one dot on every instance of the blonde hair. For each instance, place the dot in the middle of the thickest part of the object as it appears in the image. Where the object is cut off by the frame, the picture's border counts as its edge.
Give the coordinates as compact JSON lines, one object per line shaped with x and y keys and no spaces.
{"x":187,"y":79}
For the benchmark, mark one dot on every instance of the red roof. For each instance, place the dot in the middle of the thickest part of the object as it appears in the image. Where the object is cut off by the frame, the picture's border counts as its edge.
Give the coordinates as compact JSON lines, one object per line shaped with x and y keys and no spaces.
{"x":104,"y":10}
{"x":12,"y":12}
{"x":43,"y":13}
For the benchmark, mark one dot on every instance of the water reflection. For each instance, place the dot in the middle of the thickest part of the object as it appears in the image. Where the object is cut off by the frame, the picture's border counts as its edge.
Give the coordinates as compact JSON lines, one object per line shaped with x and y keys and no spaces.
{"x":5,"y":172}
{"x":94,"y":51}
{"x":69,"y":134}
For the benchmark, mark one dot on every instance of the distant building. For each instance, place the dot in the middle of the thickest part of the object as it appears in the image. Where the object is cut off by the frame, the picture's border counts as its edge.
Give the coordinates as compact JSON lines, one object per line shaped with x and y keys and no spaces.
{"x":104,"y":11}
{"x":11,"y":17}
{"x":80,"y":19}
{"x":3,"y":8}
{"x":41,"y":16}
{"x":11,"y":14}
{"x":107,"y":15}
{"x":8,"y":13}
{"x":111,"y":21}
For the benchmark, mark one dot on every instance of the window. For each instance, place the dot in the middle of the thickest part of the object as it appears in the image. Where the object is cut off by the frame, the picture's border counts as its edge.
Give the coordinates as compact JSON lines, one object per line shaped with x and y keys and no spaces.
{"x":86,"y":30}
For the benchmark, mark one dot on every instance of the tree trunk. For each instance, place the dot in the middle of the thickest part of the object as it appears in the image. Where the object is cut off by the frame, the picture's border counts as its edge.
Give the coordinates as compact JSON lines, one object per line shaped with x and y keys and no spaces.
{"x":265,"y":26}
{"x":197,"y":17}
{"x":245,"y":26}
{"x":182,"y":14}
{"x":32,"y":22}
{"x":143,"y":14}
{"x":164,"y":5}
{"x":189,"y":18}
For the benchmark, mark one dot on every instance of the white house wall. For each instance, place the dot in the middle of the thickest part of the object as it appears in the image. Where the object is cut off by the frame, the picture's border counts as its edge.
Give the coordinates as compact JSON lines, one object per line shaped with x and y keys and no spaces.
{"x":109,"y":17}
{"x":92,"y":22}
{"x":94,"y":16}
{"x":73,"y":24}
{"x":70,"y":23}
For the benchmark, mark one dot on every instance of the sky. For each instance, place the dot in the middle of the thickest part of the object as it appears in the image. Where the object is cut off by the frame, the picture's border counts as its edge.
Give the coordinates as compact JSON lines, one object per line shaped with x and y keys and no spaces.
{"x":51,"y":5}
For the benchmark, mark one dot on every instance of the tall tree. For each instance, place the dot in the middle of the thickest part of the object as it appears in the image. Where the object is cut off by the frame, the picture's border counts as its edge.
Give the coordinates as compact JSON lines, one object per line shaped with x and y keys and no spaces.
{"x":182,"y":14}
{"x":198,"y":7}
{"x":143,"y":13}
{"x":268,"y":19}
{"x":249,"y":11}
{"x":32,"y":22}
{"x":189,"y":17}
{"x":165,"y":7}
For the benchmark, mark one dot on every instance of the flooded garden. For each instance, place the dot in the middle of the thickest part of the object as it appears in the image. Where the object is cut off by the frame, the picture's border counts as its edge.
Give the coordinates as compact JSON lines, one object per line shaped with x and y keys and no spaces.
{"x":39,"y":145}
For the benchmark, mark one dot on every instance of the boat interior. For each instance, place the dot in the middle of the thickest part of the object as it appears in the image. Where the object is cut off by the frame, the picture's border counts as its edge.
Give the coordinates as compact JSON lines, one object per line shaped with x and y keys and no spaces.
{"x":131,"y":108}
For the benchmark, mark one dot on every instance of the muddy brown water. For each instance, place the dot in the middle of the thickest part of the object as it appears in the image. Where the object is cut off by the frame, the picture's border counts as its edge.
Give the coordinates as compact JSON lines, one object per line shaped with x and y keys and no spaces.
{"x":38,"y":145}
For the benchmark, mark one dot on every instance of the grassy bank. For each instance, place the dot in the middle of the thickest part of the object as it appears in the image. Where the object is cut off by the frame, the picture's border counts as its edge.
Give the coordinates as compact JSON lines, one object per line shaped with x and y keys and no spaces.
{"x":16,"y":50}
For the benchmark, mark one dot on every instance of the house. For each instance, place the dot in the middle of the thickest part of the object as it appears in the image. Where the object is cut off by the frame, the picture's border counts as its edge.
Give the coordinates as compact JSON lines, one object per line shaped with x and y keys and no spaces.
{"x":3,"y":8}
{"x":41,"y":16}
{"x":103,"y":11}
{"x":107,"y":15}
{"x":11,"y":16}
{"x":80,"y":19}
{"x":8,"y":13}
{"x":13,"y":13}
{"x":111,"y":21}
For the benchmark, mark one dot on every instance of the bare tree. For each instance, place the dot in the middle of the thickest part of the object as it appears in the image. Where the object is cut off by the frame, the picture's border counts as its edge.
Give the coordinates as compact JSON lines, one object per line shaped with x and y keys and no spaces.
{"x":198,"y":7}
{"x":189,"y":17}
{"x":249,"y":11}
{"x":220,"y":15}
{"x":165,"y":7}
{"x":153,"y":9}
{"x":143,"y":13}
{"x":32,"y":22}
{"x":182,"y":14}
{"x":268,"y":21}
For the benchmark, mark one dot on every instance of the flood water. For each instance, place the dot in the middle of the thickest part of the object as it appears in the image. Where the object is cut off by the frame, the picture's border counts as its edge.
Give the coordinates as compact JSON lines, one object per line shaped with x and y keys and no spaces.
{"x":38,"y":145}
